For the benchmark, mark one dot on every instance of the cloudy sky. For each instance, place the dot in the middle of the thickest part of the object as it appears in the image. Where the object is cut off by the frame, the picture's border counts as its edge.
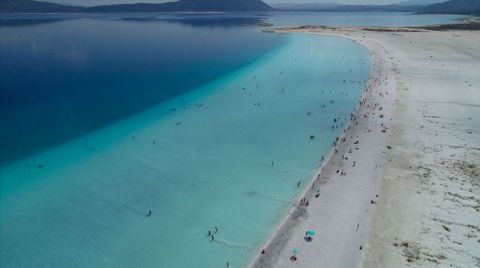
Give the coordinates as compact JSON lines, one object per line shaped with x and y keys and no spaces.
{"x":105,"y":2}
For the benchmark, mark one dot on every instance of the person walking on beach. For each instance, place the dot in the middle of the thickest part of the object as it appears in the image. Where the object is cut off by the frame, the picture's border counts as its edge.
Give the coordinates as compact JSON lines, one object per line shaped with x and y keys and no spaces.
{"x":216,"y":229}
{"x":209,"y":233}
{"x":212,"y":238}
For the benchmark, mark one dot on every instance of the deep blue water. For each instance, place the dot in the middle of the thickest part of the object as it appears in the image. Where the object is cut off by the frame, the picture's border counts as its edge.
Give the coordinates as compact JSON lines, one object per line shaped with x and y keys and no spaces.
{"x":63,"y":78}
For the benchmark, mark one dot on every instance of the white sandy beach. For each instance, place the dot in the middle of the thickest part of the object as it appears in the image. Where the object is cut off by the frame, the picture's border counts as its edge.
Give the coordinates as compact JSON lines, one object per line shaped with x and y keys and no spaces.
{"x":413,"y":196}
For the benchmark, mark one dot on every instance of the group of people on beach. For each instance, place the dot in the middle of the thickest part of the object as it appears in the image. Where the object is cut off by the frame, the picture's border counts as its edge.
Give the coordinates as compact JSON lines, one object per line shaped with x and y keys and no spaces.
{"x":304,"y":202}
{"x":354,"y":119}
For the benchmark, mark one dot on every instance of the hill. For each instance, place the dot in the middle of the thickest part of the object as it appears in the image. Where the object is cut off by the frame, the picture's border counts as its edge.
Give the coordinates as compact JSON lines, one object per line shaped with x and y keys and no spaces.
{"x":22,"y":6}
{"x":464,"y":7}
{"x":30,"y":6}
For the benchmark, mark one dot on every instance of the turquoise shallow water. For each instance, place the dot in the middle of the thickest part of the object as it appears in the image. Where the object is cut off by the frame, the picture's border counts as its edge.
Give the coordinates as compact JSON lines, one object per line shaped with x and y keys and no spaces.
{"x":199,"y":160}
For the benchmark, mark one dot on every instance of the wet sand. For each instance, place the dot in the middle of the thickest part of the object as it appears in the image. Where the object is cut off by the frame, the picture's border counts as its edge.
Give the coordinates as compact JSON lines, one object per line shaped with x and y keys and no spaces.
{"x":416,"y":144}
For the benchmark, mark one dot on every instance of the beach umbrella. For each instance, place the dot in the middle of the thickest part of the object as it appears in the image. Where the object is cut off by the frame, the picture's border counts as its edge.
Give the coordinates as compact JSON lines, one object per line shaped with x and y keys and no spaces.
{"x":295,"y":251}
{"x":311,"y":232}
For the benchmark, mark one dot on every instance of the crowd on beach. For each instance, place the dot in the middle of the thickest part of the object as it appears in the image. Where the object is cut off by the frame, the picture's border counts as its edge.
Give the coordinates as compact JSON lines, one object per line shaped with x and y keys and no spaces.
{"x":367,"y":107}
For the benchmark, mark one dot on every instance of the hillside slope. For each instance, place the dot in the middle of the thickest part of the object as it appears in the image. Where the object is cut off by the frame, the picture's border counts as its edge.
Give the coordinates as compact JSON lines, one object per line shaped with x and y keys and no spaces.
{"x":30,"y":6}
{"x":465,"y":7}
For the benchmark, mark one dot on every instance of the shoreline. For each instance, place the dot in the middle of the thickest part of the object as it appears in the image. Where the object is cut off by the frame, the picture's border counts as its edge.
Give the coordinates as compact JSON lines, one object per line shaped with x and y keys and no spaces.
{"x":279,"y":238}
{"x":423,"y":175}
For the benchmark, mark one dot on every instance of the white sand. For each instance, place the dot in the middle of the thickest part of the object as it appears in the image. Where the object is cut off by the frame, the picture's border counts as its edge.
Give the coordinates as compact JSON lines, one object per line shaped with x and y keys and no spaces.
{"x":427,"y":214}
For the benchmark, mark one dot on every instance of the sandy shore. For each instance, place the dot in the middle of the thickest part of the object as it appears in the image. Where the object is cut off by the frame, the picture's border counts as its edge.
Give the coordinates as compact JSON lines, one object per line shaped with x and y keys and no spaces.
{"x":413,"y":195}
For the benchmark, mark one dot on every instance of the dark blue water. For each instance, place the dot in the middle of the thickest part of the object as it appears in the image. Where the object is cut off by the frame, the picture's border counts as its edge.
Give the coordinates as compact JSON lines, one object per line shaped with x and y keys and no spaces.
{"x":61,"y":78}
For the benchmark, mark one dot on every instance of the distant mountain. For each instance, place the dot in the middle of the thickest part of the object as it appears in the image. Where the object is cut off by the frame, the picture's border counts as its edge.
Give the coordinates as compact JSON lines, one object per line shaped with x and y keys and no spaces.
{"x":419,"y":2}
{"x":9,"y":6}
{"x":30,"y":6}
{"x":464,"y":7}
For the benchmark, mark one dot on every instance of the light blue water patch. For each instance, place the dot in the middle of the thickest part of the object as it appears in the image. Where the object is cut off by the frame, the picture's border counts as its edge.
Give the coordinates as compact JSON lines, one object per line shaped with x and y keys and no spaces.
{"x":228,"y":154}
{"x":384,"y":19}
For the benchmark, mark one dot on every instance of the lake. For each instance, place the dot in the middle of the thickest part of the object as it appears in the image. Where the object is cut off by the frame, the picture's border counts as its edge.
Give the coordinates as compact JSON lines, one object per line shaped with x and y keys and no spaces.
{"x":126,"y":138}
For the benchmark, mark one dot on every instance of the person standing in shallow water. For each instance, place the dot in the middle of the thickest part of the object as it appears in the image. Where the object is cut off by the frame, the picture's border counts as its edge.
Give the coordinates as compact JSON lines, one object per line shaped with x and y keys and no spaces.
{"x":298,"y":184}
